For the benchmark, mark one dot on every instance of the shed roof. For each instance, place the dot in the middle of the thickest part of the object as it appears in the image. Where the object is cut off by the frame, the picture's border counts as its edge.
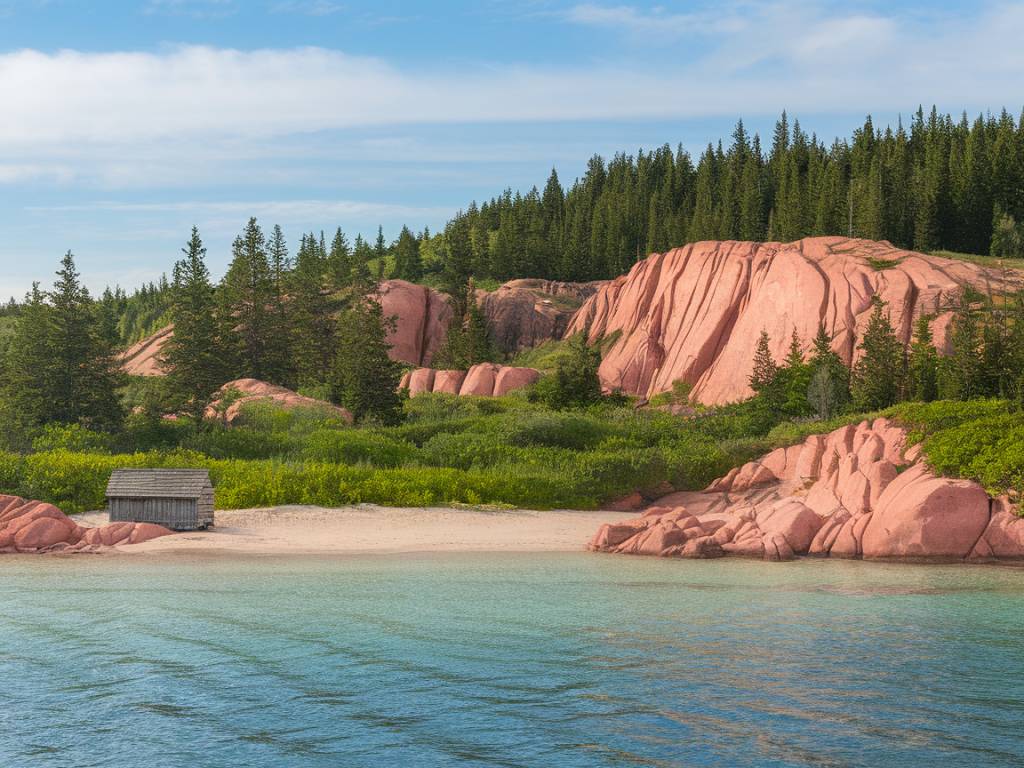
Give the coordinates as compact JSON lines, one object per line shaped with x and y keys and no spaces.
{"x":158,"y":483}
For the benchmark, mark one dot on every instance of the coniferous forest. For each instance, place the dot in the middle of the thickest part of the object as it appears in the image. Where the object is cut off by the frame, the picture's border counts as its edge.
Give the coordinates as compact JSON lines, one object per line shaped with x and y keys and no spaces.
{"x":305,"y":316}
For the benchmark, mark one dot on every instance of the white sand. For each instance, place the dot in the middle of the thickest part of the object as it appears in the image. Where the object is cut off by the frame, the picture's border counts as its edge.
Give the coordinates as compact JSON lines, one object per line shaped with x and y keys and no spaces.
{"x":373,"y":529}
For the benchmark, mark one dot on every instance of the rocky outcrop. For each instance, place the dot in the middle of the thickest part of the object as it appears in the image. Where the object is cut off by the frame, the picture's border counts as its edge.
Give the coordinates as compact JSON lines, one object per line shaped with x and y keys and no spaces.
{"x":853,"y":493}
{"x":695,"y":313}
{"x":227,"y":404}
{"x":143,"y":357}
{"x":36,"y":527}
{"x":484,"y":379}
{"x":522,"y":314}
{"x":422,"y":316}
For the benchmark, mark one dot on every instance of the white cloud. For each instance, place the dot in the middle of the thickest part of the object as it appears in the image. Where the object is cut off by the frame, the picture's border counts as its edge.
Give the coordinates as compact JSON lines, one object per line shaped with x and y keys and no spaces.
{"x":185,"y":114}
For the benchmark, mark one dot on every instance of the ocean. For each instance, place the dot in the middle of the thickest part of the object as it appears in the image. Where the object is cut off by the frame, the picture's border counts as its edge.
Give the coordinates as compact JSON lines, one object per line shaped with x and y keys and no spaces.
{"x":507,"y":660}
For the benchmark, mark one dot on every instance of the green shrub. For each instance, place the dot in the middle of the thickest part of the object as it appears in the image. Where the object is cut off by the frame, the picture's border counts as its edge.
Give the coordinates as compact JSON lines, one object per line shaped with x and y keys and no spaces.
{"x":357,"y":447}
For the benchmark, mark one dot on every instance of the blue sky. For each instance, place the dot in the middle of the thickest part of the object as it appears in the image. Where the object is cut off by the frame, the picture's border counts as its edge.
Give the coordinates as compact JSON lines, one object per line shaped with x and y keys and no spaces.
{"x":123,"y":123}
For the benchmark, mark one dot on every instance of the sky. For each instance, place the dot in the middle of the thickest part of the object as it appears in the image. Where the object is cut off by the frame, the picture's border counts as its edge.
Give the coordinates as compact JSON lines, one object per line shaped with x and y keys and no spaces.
{"x":124,"y":123}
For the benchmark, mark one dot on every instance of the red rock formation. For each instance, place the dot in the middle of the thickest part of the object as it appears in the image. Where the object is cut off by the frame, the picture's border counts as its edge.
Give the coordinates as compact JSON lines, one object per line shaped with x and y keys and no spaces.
{"x":853,"y":493}
{"x":524,"y":313}
{"x":521,"y":314}
{"x":422,"y":318}
{"x":253,"y":390}
{"x":33,"y":526}
{"x":143,"y":358}
{"x":695,"y":313}
{"x":484,"y":379}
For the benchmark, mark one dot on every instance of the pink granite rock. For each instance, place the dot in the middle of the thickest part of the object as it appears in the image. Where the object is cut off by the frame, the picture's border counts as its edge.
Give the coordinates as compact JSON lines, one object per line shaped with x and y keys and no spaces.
{"x":695,"y":313}
{"x":449,"y":382}
{"x":853,"y":493}
{"x":253,"y":390}
{"x":33,"y":526}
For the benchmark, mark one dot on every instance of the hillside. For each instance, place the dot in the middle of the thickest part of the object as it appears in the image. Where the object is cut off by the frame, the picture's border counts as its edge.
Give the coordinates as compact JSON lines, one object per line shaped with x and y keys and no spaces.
{"x":695,"y":313}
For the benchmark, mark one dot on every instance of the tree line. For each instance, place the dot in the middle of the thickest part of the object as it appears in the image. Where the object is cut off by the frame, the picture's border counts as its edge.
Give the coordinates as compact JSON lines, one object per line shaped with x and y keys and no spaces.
{"x":939,"y":183}
{"x":985,"y":359}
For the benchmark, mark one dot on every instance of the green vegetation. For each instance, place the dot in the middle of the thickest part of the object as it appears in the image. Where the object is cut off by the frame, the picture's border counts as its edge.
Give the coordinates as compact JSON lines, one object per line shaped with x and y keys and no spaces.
{"x":448,"y":450}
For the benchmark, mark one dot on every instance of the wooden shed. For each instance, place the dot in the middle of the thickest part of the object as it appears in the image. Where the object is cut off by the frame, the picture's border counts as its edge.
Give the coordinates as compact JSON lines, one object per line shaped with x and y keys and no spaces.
{"x":179,"y":499}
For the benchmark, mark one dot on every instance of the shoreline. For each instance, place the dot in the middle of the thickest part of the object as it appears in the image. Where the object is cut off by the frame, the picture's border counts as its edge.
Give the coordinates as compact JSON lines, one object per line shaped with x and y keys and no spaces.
{"x":372,"y":529}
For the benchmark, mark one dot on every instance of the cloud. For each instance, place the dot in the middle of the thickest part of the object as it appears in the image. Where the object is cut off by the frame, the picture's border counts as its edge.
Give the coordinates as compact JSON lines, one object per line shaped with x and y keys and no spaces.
{"x":279,"y":211}
{"x":181,"y":115}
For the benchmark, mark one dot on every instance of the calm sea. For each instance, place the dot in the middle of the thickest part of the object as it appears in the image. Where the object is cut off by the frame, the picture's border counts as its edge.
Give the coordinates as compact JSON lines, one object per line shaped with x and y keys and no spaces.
{"x":507,"y":660}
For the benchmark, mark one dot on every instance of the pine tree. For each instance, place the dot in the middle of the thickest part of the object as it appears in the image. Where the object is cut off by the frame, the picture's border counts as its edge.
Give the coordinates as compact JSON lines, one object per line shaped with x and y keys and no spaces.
{"x":408,"y":265}
{"x":878,"y":375}
{"x":29,"y":369}
{"x":339,"y":260}
{"x":765,"y":367}
{"x":959,"y":377}
{"x":312,"y":315}
{"x":365,"y":379}
{"x":923,"y":364}
{"x":829,"y":388}
{"x":193,"y":355}
{"x":246,"y":300}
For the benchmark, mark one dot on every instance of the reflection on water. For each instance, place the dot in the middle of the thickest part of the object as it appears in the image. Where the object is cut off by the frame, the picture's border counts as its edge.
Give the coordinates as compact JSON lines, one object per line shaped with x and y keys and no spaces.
{"x":510,"y":660}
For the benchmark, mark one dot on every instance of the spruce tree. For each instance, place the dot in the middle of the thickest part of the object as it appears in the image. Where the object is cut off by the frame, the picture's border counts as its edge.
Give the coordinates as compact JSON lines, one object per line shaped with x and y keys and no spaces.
{"x":246,"y":304}
{"x":365,"y":379}
{"x":923,"y":365}
{"x":193,"y":356}
{"x":765,"y":367}
{"x":878,"y":375}
{"x":829,"y":388}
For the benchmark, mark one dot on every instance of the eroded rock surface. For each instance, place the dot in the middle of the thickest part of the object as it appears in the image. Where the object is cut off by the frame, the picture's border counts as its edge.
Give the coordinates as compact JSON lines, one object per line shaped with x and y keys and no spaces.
{"x":484,"y":379}
{"x":37,"y":527}
{"x":522,"y":314}
{"x":853,"y":493}
{"x":143,"y":357}
{"x":254,"y":390}
{"x":695,"y":313}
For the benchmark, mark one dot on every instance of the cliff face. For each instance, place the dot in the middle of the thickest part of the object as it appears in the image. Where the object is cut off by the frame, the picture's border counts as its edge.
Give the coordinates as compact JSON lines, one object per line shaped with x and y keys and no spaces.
{"x":696,"y":313}
{"x":521,"y":314}
{"x":856,"y":492}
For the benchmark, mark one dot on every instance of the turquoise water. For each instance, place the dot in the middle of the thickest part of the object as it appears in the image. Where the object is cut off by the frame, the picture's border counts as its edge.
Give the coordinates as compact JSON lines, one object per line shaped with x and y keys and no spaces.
{"x":507,"y":660}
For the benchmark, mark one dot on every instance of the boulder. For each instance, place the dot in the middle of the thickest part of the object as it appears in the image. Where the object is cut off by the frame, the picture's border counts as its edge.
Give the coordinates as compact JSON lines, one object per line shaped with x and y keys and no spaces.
{"x":522,"y":314}
{"x":871,"y":499}
{"x":33,"y":526}
{"x":247,"y":391}
{"x":449,"y":381}
{"x":143,"y":357}
{"x":482,"y":380}
{"x":695,"y":313}
{"x":422,"y":316}
{"x":920,"y":515}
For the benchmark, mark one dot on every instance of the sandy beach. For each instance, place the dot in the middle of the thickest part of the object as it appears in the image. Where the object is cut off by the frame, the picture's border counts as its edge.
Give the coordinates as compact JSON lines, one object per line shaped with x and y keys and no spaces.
{"x":384,"y":530}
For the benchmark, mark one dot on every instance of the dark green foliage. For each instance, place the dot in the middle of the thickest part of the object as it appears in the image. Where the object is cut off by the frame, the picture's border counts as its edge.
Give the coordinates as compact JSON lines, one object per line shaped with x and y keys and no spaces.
{"x":878,"y":376}
{"x":194,"y":355}
{"x":828,"y":391}
{"x":313,"y":308}
{"x":60,"y":364}
{"x":468,"y":340}
{"x":765,"y":367}
{"x":575,"y":382}
{"x":408,"y":264}
{"x":960,"y":372}
{"x":365,"y":380}
{"x":923,"y":363}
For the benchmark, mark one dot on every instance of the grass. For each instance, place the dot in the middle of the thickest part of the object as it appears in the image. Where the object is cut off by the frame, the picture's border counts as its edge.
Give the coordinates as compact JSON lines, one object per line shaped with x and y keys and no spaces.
{"x":979,"y":259}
